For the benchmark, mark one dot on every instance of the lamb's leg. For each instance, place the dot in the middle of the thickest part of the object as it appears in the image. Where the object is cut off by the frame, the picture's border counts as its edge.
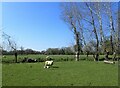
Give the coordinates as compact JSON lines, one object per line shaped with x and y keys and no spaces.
{"x":45,"y":66}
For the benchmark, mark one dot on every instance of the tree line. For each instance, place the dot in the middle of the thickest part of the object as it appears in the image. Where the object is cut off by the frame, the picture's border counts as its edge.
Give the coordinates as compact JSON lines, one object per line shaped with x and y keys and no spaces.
{"x":88,"y":49}
{"x":49,"y":51}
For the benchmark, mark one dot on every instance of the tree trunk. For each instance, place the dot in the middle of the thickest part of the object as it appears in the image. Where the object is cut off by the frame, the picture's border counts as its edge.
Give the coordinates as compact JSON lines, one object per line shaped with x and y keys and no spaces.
{"x":111,"y":41}
{"x":95,"y":32}
{"x":118,"y":39}
{"x":77,"y":46}
{"x":98,"y":13}
{"x":102,"y":35}
{"x":111,"y":31}
{"x":97,"y":46}
{"x":106,"y":55}
{"x":96,"y":36}
{"x":15,"y":57}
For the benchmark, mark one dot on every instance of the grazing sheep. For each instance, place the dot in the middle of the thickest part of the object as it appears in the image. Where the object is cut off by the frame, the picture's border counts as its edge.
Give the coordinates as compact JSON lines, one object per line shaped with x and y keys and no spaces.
{"x":109,"y":62}
{"x":31,"y":60}
{"x":48,"y":64}
{"x":4,"y":56}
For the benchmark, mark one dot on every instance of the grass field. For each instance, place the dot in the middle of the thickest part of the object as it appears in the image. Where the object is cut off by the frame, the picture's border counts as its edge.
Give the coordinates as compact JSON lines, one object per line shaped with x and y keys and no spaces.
{"x":10,"y":58}
{"x":66,"y":73}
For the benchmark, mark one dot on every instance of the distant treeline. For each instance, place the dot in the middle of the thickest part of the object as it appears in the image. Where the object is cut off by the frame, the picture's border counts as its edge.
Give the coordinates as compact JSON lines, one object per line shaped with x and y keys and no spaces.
{"x":27,"y":51}
{"x":89,"y":48}
{"x":49,"y":51}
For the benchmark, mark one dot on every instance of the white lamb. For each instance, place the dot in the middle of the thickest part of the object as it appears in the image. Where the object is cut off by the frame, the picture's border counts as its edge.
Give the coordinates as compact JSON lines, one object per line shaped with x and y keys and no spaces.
{"x":48,"y":64}
{"x":109,"y":62}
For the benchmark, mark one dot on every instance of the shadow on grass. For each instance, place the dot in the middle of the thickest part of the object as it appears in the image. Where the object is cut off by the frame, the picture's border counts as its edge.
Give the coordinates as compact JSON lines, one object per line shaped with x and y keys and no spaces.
{"x":55,"y":67}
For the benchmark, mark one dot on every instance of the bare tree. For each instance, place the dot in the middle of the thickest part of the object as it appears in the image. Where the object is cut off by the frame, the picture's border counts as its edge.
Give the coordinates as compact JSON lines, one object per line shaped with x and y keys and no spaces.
{"x":92,"y":22}
{"x":118,"y":38}
{"x":11,"y":44}
{"x":97,"y":9}
{"x":111,"y":24}
{"x":71,"y":17}
{"x":91,"y":19}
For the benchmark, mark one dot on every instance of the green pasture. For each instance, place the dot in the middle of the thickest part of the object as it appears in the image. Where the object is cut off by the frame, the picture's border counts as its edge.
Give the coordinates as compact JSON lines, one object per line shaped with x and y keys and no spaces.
{"x":63,"y":73}
{"x":10,"y":58}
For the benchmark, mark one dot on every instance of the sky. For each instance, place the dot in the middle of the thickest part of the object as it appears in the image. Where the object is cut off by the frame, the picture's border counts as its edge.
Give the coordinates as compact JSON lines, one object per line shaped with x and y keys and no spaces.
{"x":36,"y":25}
